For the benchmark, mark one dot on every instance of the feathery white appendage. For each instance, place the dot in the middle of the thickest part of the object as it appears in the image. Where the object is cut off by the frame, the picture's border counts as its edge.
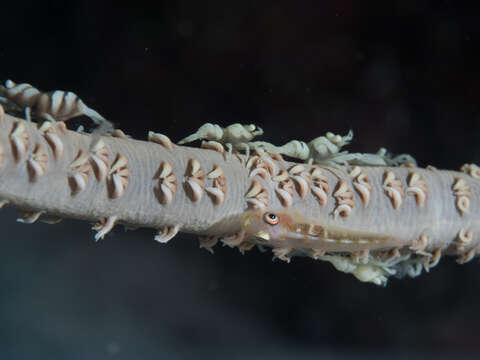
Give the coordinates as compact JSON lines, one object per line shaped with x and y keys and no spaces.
{"x":104,"y":227}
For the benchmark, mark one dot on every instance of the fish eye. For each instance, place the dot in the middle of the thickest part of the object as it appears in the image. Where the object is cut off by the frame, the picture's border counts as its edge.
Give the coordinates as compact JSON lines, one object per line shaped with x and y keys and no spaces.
{"x":271,"y":218}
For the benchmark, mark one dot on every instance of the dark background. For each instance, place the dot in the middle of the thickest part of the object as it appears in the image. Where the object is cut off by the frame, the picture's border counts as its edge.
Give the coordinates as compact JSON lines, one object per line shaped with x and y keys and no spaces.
{"x":403,"y":74}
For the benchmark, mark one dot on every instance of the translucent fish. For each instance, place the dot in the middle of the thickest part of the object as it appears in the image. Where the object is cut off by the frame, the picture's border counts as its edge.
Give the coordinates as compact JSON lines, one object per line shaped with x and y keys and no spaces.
{"x":289,"y":229}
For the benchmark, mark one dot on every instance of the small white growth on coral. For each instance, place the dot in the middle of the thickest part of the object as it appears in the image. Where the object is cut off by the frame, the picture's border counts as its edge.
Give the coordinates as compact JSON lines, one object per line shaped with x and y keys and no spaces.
{"x":282,"y":254}
{"x":195,"y":180}
{"x":464,"y":239}
{"x":463,"y":195}
{"x":471,"y":169}
{"x":345,"y":199}
{"x":234,"y":240}
{"x":79,"y":173}
{"x":104,"y":226}
{"x":160,"y":139}
{"x":50,"y":134}
{"x":118,"y":177}
{"x":37,"y":162}
{"x":20,"y":140}
{"x":218,"y":191}
{"x":417,"y":187}
{"x":29,"y":217}
{"x":362,"y":184}
{"x":393,"y":188}
{"x":99,"y":159}
{"x":167,"y":183}
{"x":208,"y":242}
{"x":257,"y":196}
{"x":320,"y":186}
{"x":167,"y":233}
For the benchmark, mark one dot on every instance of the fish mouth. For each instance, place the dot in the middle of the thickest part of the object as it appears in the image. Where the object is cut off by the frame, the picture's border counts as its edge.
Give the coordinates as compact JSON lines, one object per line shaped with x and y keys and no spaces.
{"x":263,"y":235}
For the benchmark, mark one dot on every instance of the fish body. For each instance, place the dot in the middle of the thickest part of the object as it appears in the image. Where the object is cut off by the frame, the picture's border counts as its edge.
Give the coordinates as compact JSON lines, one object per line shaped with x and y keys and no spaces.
{"x":289,"y":229}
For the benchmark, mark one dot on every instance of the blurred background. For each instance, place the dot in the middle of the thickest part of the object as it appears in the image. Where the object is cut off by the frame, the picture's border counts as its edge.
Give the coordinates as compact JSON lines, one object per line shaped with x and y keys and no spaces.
{"x":403,"y":74}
